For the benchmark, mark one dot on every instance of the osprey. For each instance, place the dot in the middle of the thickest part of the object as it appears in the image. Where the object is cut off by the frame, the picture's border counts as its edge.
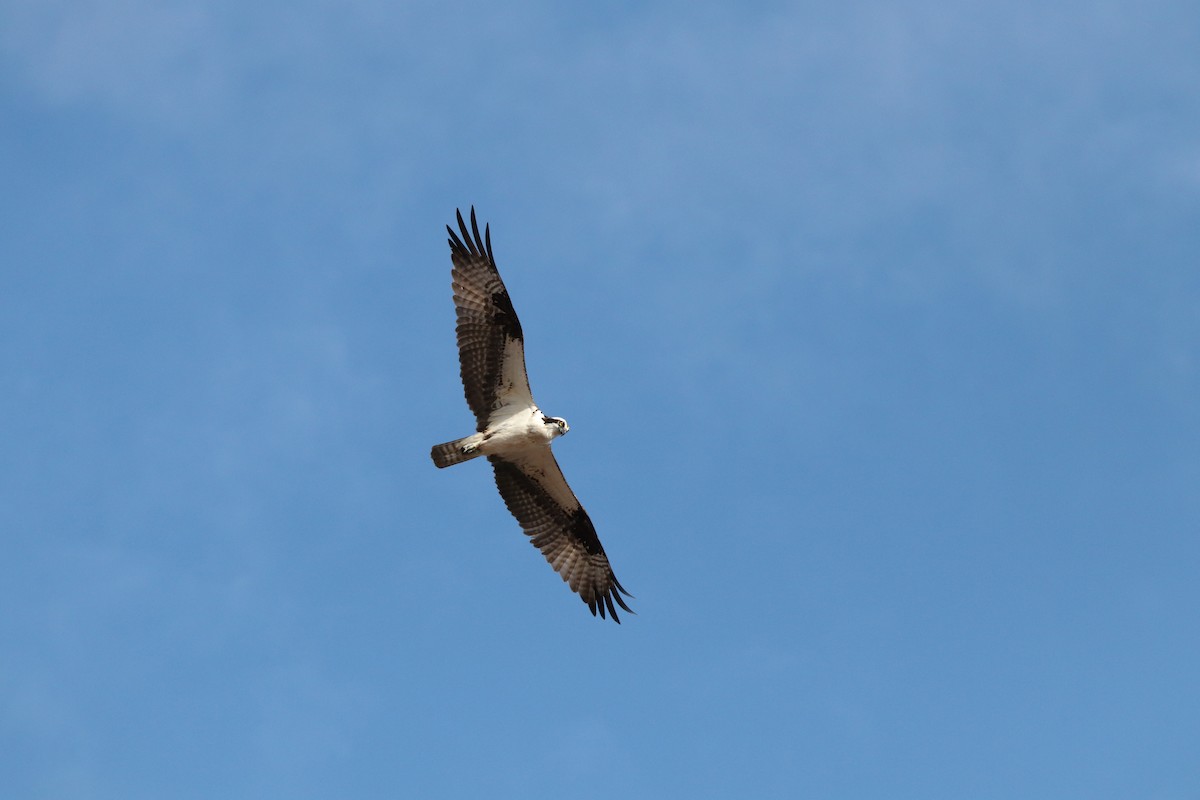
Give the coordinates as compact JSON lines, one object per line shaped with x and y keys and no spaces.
{"x":513,"y":432}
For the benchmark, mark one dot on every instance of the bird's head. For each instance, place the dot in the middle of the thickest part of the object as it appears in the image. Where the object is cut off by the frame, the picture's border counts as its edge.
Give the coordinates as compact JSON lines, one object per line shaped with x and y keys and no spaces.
{"x":558,"y":424}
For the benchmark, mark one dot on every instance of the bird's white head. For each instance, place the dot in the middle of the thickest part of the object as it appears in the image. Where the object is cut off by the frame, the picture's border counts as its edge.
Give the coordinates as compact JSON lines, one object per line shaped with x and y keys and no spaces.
{"x":558,"y":425}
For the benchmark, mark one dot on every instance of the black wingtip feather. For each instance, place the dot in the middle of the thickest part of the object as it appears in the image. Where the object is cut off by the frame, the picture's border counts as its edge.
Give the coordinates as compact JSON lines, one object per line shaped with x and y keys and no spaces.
{"x":478,"y":239}
{"x":468,"y":241}
{"x":462,"y":226}
{"x":622,"y":591}
{"x":602,"y":606}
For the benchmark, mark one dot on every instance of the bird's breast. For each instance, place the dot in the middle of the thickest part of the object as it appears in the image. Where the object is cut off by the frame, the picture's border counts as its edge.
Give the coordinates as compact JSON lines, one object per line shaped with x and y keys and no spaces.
{"x":519,"y":432}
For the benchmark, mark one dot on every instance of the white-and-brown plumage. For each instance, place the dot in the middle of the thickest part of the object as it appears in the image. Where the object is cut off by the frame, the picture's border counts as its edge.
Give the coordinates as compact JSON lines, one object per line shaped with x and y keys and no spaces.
{"x":513,"y":432}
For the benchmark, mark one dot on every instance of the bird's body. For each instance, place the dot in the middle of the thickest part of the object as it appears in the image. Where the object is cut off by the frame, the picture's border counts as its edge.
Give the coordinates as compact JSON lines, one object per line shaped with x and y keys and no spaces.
{"x":509,"y":433}
{"x":512,"y":432}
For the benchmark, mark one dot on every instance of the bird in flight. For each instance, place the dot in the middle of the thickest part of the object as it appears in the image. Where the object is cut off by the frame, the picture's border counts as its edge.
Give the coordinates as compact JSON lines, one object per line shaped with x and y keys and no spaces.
{"x":513,"y":432}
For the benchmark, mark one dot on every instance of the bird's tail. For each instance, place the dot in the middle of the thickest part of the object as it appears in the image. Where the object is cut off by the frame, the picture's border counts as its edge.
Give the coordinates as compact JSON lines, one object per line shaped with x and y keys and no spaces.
{"x":450,"y":453}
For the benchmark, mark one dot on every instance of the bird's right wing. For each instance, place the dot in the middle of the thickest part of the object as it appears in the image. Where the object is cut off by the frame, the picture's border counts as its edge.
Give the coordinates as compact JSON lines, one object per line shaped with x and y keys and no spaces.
{"x":491,"y":345}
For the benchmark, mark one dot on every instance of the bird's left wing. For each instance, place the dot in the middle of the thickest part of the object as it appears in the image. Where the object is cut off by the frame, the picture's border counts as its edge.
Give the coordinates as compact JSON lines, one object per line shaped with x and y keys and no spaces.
{"x":537,"y":494}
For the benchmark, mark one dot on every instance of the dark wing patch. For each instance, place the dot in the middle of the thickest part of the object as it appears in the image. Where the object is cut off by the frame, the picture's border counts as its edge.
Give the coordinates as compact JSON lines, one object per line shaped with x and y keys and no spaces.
{"x":488,"y":327}
{"x":565,"y":536}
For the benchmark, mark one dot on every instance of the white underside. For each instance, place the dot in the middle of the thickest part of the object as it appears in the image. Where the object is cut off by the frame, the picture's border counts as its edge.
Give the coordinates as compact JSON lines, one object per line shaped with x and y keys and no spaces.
{"x":514,"y":432}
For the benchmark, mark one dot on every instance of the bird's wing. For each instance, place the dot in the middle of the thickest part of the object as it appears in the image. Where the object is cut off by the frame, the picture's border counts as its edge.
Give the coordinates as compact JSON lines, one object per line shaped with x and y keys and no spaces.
{"x":537,"y":494}
{"x":491,"y":347}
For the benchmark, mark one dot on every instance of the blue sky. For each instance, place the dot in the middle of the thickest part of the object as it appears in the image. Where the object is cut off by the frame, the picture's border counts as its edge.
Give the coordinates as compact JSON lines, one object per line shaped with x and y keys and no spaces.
{"x":877,"y":326}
